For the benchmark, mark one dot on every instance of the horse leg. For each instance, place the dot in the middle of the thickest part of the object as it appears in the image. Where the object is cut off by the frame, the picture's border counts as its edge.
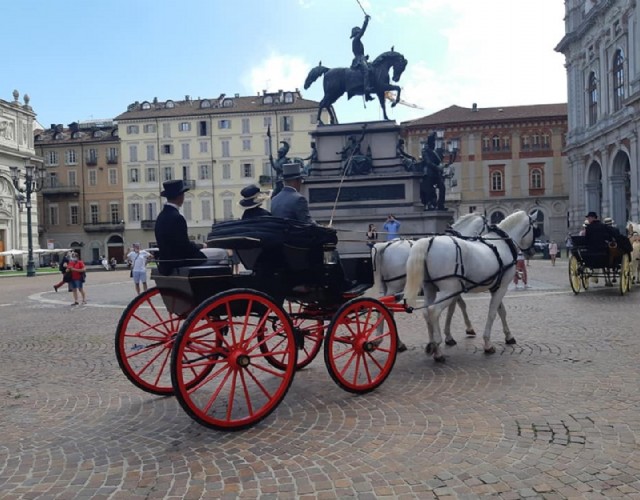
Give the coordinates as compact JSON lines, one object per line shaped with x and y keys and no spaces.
{"x":494,"y":304}
{"x":508,"y":338}
{"x":383,"y":105}
{"x":432,"y":314}
{"x":397,"y":89}
{"x":469,"y":330}
{"x":448,"y":338}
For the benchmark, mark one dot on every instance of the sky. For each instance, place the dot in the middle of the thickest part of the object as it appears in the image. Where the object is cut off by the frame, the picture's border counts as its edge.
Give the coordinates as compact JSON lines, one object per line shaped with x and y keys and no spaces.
{"x":80,"y":60}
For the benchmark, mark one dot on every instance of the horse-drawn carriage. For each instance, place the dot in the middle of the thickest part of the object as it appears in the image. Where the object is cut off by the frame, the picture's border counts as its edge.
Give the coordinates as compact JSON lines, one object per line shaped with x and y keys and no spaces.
{"x":612,"y":263}
{"x":228,"y":345}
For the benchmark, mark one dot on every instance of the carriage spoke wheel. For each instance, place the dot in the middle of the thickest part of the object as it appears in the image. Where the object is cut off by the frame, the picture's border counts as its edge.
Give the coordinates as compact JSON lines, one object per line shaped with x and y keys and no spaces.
{"x":625,"y":274}
{"x":308,"y":333}
{"x":226,"y":334}
{"x":574,"y":274}
{"x":361,"y":345}
{"x":145,"y":336}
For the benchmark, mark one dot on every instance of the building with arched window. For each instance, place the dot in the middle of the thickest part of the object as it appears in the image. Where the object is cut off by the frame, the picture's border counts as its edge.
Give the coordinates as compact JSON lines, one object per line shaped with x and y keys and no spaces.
{"x":509,"y":158}
{"x":603,"y":78}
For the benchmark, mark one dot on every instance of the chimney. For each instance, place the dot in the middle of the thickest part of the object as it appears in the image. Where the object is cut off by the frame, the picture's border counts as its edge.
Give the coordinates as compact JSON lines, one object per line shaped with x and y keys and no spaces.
{"x":237,"y":95}
{"x":474,"y":107}
{"x":264,"y":92}
{"x":187,"y":98}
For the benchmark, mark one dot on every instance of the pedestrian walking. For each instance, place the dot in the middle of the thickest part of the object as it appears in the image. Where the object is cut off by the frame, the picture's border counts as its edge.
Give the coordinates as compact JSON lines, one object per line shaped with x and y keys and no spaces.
{"x":568,"y":243}
{"x":553,"y":251}
{"x":77,"y":270}
{"x":138,"y":262}
{"x":63,"y":269}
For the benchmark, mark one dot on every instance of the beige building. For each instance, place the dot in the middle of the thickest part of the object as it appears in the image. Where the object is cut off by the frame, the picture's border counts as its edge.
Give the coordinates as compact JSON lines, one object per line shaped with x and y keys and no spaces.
{"x":602,"y":50}
{"x":17,"y":121}
{"x":81,"y":200}
{"x":218,"y":146}
{"x":509,"y":158}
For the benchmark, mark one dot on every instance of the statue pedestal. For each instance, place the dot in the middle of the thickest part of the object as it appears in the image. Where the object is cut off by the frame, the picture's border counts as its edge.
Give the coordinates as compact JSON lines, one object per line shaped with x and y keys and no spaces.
{"x":351,"y":203}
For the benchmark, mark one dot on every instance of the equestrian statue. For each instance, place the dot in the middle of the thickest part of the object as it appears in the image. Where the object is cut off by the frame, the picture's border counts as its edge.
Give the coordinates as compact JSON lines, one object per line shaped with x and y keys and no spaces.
{"x":362,"y":78}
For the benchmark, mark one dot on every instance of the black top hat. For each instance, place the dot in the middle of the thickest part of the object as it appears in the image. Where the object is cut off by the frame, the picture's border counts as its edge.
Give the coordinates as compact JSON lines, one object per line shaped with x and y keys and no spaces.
{"x":592,"y":214}
{"x":173,"y":188}
{"x":291,"y":171}
{"x":251,"y":197}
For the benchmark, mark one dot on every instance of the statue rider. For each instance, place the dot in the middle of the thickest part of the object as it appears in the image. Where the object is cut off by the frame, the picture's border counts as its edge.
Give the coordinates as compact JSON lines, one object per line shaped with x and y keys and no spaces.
{"x":359,"y":58}
{"x":277,"y":166}
{"x":432,"y":177}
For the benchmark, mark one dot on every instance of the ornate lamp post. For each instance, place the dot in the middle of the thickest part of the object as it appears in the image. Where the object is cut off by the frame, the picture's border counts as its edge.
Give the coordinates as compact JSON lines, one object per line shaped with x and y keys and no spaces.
{"x":33,"y":181}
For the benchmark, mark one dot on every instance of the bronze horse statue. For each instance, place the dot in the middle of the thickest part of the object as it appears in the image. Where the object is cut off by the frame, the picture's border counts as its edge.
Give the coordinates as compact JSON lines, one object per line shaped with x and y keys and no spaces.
{"x":337,"y":81}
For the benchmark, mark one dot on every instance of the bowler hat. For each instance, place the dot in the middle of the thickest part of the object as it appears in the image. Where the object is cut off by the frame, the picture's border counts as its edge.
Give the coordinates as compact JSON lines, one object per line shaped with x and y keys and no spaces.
{"x":291,"y":171}
{"x":251,"y":197}
{"x":173,"y":188}
{"x":592,"y":214}
{"x":609,"y":221}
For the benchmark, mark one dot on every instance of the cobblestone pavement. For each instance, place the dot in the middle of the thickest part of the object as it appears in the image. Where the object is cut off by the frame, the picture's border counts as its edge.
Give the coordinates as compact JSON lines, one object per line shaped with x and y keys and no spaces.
{"x":554,"y":416}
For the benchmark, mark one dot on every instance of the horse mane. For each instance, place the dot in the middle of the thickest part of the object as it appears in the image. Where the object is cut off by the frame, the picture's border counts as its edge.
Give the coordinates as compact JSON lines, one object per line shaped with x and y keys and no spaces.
{"x":511,"y":220}
{"x":464,"y":218}
{"x":390,"y":54}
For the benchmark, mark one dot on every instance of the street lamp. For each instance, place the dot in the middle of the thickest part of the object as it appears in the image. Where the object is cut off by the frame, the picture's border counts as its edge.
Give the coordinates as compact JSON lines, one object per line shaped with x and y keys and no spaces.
{"x":33,"y":181}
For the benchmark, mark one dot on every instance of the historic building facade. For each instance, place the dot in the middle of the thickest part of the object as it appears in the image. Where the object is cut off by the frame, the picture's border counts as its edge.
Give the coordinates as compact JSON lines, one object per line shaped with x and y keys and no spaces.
{"x":601,"y":46}
{"x":17,"y":121}
{"x":218,"y":146}
{"x":81,"y":199}
{"x":509,"y":158}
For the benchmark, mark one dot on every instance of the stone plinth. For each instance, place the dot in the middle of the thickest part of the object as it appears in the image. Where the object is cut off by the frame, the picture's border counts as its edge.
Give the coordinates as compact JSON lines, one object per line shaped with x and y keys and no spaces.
{"x":351,"y":203}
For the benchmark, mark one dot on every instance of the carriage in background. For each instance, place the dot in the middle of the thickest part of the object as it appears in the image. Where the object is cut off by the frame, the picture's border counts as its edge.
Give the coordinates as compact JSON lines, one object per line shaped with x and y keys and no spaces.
{"x":613,"y":264}
{"x":228,"y":345}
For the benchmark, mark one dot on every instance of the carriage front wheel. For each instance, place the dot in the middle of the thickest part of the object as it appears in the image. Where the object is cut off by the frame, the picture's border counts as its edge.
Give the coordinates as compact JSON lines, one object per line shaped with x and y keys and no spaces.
{"x":361,"y":345}
{"x":226,"y":335}
{"x":625,"y":274}
{"x":574,"y":274}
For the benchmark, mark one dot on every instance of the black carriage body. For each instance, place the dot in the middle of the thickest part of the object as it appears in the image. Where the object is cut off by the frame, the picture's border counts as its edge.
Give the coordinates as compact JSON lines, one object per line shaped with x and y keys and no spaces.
{"x":283,"y":258}
{"x":607,"y":257}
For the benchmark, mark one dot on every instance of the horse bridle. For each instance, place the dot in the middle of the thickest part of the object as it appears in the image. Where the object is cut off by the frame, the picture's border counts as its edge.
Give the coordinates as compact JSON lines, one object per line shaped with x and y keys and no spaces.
{"x":531,"y":227}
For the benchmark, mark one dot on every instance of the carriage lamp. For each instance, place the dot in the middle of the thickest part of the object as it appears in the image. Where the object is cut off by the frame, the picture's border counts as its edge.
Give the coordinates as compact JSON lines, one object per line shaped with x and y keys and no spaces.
{"x":33,"y":182}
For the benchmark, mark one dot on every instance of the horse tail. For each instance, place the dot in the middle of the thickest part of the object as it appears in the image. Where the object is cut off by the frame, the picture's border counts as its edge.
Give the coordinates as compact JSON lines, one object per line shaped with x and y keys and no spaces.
{"x":314,"y":74}
{"x":415,"y":270}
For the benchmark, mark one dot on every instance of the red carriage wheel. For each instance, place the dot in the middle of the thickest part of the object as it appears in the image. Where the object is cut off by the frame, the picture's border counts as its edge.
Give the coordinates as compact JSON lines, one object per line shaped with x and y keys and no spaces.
{"x":226,"y":335}
{"x":308,"y":333}
{"x":361,"y":345}
{"x":144,"y":339}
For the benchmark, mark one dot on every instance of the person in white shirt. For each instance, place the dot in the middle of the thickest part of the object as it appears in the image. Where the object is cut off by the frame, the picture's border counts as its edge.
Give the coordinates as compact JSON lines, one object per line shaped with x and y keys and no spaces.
{"x":138,"y":259}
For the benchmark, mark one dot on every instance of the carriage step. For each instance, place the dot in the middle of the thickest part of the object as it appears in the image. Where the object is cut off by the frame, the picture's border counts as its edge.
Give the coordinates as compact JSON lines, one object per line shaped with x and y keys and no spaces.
{"x":356,"y":290}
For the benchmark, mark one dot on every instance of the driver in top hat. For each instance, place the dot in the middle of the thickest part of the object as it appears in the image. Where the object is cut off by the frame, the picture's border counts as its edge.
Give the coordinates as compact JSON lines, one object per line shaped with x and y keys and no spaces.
{"x":597,"y":234}
{"x":175,"y":247}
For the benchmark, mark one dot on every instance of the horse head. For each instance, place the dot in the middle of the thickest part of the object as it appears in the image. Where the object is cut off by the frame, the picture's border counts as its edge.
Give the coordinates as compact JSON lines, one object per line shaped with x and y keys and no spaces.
{"x":392,"y":59}
{"x":521,"y":227}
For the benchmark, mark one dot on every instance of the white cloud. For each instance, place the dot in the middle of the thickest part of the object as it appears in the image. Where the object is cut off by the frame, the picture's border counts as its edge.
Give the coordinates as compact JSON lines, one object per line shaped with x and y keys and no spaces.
{"x":277,"y":72}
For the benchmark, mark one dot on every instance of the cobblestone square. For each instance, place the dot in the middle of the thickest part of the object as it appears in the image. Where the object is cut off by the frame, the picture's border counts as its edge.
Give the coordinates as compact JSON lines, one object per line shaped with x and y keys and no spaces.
{"x":554,"y":416}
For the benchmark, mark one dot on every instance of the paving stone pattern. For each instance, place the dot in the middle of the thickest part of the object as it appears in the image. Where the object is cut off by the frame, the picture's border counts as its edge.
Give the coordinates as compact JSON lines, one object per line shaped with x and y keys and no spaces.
{"x":555,"y":416}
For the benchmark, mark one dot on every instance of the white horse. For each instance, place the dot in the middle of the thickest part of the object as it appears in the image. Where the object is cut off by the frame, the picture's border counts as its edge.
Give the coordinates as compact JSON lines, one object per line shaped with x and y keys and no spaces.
{"x":447,"y":266}
{"x":390,"y":269}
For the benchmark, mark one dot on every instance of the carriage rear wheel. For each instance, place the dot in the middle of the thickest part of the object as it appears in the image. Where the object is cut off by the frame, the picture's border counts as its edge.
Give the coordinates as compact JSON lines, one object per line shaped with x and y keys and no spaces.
{"x":225,"y":334}
{"x":308,"y":332}
{"x":574,"y":274}
{"x":361,"y":345}
{"x":145,"y":336}
{"x":625,"y":274}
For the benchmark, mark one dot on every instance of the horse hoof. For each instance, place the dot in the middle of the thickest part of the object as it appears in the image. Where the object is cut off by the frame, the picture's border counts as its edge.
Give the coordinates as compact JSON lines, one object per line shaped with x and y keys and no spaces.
{"x":471,"y":333}
{"x":510,"y":341}
{"x":401,"y":347}
{"x":430,"y":349}
{"x":439,"y":359}
{"x":451,"y":342}
{"x":491,"y":350}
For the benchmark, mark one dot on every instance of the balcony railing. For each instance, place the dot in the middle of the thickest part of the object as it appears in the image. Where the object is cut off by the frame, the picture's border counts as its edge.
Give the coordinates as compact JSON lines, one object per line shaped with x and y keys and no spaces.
{"x":92,"y":162}
{"x":148,"y":224}
{"x":190,"y":183}
{"x":104,"y":227}
{"x":112,"y":160}
{"x":55,"y":187}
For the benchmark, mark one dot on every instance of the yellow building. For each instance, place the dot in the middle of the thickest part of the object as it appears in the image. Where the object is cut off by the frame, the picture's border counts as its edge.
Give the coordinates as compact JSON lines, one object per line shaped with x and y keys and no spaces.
{"x":218,"y":146}
{"x":81,"y":199}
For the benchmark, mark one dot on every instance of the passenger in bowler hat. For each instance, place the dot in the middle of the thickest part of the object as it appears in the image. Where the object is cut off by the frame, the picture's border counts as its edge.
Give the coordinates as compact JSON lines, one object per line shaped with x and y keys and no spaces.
{"x":289,"y":203}
{"x":175,"y":247}
{"x":252,"y":199}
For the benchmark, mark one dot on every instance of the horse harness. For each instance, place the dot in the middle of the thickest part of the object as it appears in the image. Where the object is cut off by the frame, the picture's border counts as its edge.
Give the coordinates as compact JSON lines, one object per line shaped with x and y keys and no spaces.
{"x":466,"y":283}
{"x":389,"y":243}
